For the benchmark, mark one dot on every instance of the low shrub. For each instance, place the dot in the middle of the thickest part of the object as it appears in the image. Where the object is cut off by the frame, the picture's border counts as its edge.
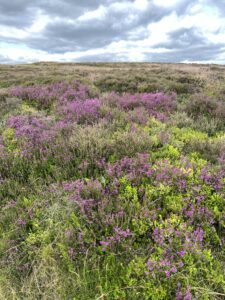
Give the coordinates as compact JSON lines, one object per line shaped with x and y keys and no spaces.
{"x":116,"y":196}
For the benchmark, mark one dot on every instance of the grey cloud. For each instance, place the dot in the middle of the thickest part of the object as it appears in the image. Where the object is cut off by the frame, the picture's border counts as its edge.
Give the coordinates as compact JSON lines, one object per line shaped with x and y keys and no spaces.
{"x":197,"y":53}
{"x":5,"y":60}
{"x":220,"y":4}
{"x":16,"y":13}
{"x":184,"y":38}
{"x":108,"y":57}
{"x":189,"y":44}
{"x":61,"y":36}
{"x":64,"y":37}
{"x":21,"y":13}
{"x":13,"y":7}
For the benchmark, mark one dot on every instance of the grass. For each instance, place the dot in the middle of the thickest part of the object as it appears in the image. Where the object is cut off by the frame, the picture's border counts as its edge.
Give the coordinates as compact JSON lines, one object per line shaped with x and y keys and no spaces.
{"x":112,"y":181}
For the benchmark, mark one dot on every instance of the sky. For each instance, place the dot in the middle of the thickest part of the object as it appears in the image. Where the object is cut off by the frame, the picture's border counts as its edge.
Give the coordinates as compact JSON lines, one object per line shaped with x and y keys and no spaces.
{"x":112,"y":30}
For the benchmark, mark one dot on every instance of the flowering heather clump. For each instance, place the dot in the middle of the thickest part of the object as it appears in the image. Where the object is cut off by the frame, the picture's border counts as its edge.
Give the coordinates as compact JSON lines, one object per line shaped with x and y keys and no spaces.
{"x":132,"y":168}
{"x":138,"y":115}
{"x":33,"y":133}
{"x":86,"y":111}
{"x":159,"y":105}
{"x":111,"y":197}
{"x":72,"y":101}
{"x":214,"y":179}
{"x":201,"y":104}
{"x":45,"y":95}
{"x":85,"y":194}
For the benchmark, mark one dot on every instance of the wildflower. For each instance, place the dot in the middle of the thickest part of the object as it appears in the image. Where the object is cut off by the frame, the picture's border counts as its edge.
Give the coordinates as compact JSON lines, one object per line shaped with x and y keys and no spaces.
{"x":104,"y":243}
{"x":188,"y":295}
{"x":179,"y":296}
{"x":173,"y":270}
{"x":181,"y":253}
{"x":167,"y":274}
{"x":68,"y":233}
{"x":71,"y":252}
{"x":21,"y":222}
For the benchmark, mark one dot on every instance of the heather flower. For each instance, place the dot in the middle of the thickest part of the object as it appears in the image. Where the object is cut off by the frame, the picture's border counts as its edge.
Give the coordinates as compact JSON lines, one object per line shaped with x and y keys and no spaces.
{"x":167,"y":274}
{"x":21,"y":222}
{"x":86,"y":195}
{"x":158,"y":105}
{"x":139,"y":115}
{"x":150,"y":265}
{"x":215,"y":179}
{"x":83,"y":112}
{"x":33,"y":132}
{"x":132,"y":167}
{"x":122,"y":233}
{"x":69,"y":233}
{"x":71,"y":253}
{"x":173,"y":270}
{"x":179,"y":296}
{"x":181,"y":253}
{"x":139,"y":195}
{"x":188,"y":295}
{"x":199,"y":234}
{"x":45,"y":95}
{"x":104,"y":243}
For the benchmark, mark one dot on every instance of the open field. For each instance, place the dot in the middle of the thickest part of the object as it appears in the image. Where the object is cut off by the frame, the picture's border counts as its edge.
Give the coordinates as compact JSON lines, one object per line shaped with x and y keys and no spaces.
{"x":112,"y":181}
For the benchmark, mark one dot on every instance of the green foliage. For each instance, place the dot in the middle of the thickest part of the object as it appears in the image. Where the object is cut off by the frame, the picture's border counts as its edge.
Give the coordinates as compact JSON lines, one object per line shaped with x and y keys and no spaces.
{"x":129,"y":207}
{"x":9,"y":140}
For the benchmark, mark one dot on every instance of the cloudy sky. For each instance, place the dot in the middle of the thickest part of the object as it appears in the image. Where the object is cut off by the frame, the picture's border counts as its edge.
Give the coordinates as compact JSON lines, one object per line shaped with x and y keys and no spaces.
{"x":112,"y":30}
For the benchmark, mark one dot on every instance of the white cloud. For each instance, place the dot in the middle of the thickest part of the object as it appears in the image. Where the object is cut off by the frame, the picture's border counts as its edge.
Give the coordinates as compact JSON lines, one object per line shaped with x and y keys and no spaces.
{"x":37,"y":27}
{"x":12,"y":32}
{"x":158,"y":31}
{"x":132,"y":52}
{"x":127,"y":6}
{"x":21,"y":53}
{"x":98,"y":14}
{"x":166,"y":3}
{"x":134,"y":31}
{"x":39,"y":23}
{"x":141,"y":4}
